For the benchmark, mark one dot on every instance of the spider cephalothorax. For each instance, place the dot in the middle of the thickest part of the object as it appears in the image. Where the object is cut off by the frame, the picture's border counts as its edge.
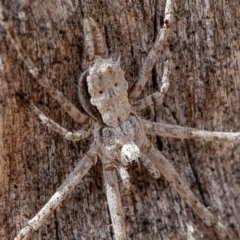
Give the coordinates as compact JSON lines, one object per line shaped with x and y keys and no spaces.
{"x":108,"y":89}
{"x":120,"y":135}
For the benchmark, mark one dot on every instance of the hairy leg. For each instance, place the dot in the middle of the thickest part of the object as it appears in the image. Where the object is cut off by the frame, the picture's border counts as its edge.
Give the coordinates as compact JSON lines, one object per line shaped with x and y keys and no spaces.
{"x":114,"y":204}
{"x":143,"y":77}
{"x":156,"y":97}
{"x":168,"y":130}
{"x":147,"y":101}
{"x":68,"y":107}
{"x":170,"y":174}
{"x":73,"y":179}
{"x":148,"y":164}
{"x":94,"y":42}
{"x":99,"y":40}
{"x":72,"y":136}
{"x":126,"y":184}
{"x":88,"y":41}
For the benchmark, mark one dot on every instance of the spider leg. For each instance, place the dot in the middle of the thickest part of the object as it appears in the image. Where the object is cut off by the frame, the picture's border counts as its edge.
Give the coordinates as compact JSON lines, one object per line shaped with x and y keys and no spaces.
{"x":168,"y":130}
{"x":72,"y":136}
{"x":146,"y":69}
{"x":157,"y":96}
{"x":72,"y":180}
{"x":88,"y":41}
{"x":170,"y":174}
{"x":123,"y":172}
{"x":100,"y":43}
{"x":147,"y":101}
{"x":68,"y":107}
{"x":114,"y":203}
{"x":93,"y":41}
{"x":149,"y":165}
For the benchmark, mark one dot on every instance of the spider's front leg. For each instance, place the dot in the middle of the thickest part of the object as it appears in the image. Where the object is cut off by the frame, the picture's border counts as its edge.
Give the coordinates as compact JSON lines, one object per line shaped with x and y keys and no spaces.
{"x":72,"y":180}
{"x":68,"y":107}
{"x":156,"y":97}
{"x":161,"y":39}
{"x":170,"y":174}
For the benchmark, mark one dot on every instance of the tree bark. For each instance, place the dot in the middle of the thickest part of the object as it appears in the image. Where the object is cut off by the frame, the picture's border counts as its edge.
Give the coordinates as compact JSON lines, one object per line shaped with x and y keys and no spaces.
{"x":204,"y":93}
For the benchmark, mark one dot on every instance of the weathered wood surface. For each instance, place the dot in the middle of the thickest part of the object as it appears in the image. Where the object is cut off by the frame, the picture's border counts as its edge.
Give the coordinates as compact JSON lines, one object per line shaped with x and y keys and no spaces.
{"x":204,"y":93}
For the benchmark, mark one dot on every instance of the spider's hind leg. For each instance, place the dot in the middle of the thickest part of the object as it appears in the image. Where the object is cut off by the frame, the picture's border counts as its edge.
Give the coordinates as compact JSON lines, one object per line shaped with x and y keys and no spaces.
{"x":124,"y":175}
{"x":114,"y":203}
{"x":171,"y":175}
{"x":72,"y":180}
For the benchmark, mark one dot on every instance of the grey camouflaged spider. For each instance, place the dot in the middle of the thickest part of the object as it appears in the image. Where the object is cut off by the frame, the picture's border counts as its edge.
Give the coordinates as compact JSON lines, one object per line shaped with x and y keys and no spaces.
{"x":119,"y":133}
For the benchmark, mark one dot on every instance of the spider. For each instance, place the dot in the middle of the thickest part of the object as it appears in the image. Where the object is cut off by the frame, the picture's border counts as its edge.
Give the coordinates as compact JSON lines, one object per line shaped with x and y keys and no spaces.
{"x":120,"y":135}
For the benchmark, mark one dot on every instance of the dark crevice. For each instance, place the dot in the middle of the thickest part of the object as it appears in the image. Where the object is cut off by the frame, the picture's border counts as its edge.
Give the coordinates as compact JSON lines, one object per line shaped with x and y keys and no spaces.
{"x":81,"y":7}
{"x":159,"y":144}
{"x":195,"y":173}
{"x":155,"y":88}
{"x":57,"y":226}
{"x":155,"y":20}
{"x":154,"y":79}
{"x":161,"y":19}
{"x":107,"y":39}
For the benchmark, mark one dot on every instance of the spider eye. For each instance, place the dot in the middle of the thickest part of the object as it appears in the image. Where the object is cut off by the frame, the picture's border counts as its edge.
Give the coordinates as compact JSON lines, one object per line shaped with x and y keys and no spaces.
{"x":100,"y":92}
{"x":115,"y":84}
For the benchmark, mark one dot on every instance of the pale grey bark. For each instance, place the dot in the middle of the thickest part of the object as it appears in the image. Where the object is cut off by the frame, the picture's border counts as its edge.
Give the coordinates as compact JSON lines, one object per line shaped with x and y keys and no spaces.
{"x":203,"y":93}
